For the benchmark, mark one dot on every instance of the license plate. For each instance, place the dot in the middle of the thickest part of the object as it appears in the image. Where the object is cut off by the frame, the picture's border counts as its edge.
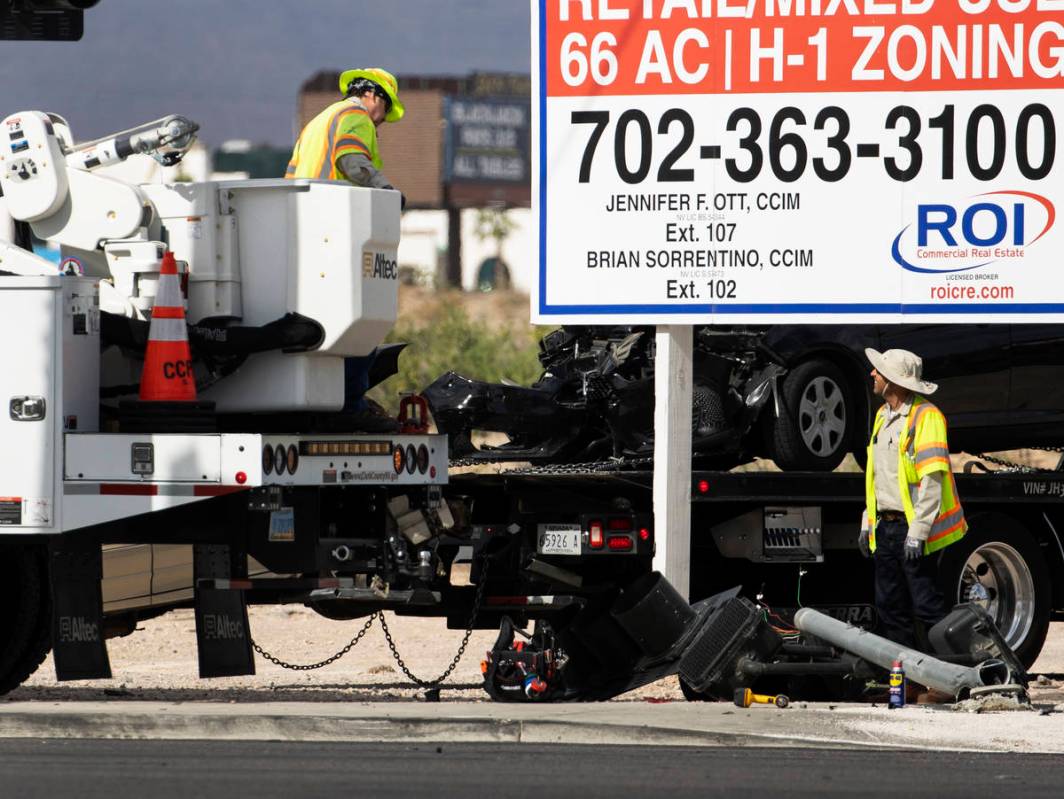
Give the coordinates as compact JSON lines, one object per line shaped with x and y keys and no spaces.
{"x":559,"y":539}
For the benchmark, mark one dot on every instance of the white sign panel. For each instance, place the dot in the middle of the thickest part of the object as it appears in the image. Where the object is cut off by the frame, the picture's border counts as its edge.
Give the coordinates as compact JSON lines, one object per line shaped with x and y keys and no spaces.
{"x":798,"y":160}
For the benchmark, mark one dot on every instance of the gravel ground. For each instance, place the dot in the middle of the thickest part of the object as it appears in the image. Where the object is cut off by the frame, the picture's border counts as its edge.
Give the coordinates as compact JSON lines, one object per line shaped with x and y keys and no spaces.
{"x":158,"y":663}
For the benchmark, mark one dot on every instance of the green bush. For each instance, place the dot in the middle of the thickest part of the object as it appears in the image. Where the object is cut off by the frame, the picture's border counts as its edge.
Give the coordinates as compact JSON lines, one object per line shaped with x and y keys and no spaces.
{"x":449,"y":340}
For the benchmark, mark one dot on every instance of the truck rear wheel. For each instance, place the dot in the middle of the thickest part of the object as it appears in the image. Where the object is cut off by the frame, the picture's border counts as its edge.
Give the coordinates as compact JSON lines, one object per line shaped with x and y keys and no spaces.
{"x":25,"y":614}
{"x":999,"y":566}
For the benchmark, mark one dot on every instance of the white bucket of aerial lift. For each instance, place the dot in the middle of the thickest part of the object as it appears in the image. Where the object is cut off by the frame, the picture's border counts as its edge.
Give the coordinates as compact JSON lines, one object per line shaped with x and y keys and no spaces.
{"x":323,"y":249}
{"x":259,"y":249}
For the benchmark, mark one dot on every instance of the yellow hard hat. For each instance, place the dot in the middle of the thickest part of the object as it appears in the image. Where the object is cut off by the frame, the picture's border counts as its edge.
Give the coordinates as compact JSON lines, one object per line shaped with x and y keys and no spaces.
{"x":386,"y":80}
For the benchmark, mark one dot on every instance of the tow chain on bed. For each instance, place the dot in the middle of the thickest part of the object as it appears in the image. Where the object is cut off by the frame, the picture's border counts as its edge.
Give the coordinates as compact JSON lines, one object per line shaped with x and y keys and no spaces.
{"x":611,"y":465}
{"x":1012,"y":466}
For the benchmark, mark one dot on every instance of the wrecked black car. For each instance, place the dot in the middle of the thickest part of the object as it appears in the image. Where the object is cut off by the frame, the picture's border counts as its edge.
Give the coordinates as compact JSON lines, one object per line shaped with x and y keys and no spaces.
{"x":799,"y":394}
{"x":595,"y":399}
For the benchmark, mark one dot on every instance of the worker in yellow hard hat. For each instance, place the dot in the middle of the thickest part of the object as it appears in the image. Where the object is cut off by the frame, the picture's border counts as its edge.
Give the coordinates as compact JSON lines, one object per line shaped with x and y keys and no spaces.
{"x":340,"y":143}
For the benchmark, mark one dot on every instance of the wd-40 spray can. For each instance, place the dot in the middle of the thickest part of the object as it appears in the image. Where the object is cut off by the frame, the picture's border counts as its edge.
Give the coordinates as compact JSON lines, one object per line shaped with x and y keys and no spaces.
{"x":897,"y":685}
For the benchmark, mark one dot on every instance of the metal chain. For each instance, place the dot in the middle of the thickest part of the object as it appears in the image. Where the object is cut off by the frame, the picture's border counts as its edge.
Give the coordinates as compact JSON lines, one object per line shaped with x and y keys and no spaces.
{"x":1019,"y":467}
{"x":321,"y":664}
{"x":461,"y":648}
{"x":611,"y":465}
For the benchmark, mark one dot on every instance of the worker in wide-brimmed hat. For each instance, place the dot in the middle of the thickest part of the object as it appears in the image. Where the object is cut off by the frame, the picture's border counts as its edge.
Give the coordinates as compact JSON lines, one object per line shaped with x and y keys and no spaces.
{"x":340,"y":143}
{"x":911,"y":504}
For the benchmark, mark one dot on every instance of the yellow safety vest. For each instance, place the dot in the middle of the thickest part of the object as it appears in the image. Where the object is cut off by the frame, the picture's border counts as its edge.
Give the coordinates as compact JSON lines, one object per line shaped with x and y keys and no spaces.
{"x":922,"y":450}
{"x":341,"y":129}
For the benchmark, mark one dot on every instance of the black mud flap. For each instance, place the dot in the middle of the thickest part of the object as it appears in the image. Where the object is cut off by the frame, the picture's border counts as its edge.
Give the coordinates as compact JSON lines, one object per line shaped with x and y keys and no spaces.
{"x":223,"y":637}
{"x":78,"y":645}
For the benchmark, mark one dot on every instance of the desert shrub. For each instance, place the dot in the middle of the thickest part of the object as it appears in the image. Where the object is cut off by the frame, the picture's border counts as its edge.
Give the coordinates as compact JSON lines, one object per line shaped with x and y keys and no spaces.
{"x":445,"y":338}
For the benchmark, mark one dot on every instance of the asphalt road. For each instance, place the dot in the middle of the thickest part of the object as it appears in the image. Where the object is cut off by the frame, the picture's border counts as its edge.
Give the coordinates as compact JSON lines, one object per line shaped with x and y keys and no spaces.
{"x":206,"y":769}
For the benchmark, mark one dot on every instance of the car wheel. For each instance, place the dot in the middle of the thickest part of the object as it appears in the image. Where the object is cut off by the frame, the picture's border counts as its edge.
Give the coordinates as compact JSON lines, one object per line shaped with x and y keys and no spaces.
{"x":999,"y":566}
{"x":814,"y":430}
{"x":25,"y":615}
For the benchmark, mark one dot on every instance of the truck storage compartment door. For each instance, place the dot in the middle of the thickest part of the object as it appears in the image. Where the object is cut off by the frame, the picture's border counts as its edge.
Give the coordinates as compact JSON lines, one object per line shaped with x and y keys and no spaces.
{"x":29,"y":312}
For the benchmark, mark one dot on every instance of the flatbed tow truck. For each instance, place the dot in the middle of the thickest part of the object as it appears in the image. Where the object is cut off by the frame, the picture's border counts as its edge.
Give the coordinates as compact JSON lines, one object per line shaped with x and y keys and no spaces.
{"x":290,"y":288}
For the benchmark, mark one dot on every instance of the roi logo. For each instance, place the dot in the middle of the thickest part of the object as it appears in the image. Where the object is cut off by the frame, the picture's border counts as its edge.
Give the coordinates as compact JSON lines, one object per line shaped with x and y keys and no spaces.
{"x":994,"y":227}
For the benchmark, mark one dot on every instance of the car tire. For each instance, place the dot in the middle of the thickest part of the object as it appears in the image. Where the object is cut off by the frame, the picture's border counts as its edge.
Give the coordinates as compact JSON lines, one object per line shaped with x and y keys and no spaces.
{"x":815,"y":428}
{"x":1000,"y":566}
{"x":25,"y":619}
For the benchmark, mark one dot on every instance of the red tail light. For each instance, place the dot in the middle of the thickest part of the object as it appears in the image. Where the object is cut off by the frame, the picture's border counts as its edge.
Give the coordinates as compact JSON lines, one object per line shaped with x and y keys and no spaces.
{"x":703,"y":486}
{"x":619,"y":524}
{"x":620,"y":543}
{"x":595,"y":537}
{"x":644,"y":534}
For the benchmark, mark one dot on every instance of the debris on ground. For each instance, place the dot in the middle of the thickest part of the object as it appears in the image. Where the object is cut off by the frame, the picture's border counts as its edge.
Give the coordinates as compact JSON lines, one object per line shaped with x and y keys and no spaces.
{"x":994,"y":703}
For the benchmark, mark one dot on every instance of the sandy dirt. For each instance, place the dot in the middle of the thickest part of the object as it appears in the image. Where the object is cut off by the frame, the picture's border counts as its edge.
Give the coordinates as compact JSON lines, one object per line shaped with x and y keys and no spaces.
{"x":158,"y":663}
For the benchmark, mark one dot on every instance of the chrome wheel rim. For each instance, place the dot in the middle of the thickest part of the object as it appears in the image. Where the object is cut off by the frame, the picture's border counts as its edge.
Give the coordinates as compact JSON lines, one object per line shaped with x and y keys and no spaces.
{"x":997,"y":578}
{"x":822,"y":416}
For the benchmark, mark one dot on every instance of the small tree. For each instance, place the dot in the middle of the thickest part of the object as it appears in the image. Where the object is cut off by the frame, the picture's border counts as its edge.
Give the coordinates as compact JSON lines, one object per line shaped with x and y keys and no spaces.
{"x":495,"y":224}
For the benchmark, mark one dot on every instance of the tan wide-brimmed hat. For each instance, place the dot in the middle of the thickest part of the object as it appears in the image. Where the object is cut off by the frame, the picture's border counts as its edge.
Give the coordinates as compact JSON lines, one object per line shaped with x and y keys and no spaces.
{"x":902,"y":368}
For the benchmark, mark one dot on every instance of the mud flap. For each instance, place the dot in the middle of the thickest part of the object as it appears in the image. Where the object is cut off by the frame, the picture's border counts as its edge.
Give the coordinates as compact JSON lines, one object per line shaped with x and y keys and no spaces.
{"x":223,"y":637}
{"x":78,"y":646}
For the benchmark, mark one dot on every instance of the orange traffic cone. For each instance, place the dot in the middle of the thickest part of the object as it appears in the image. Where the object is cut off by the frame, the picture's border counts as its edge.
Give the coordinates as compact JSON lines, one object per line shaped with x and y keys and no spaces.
{"x":167,"y":375}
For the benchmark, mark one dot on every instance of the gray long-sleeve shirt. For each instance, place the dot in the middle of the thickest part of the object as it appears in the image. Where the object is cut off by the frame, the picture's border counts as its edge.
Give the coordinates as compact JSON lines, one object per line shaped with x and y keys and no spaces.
{"x":358,"y":169}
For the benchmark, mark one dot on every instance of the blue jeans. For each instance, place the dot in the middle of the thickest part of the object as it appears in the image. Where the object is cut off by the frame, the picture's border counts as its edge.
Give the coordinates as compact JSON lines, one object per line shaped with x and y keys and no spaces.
{"x":356,"y":382}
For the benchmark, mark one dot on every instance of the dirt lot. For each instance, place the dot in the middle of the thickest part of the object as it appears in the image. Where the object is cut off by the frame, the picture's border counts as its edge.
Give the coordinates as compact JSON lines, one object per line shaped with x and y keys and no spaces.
{"x":158,"y":662}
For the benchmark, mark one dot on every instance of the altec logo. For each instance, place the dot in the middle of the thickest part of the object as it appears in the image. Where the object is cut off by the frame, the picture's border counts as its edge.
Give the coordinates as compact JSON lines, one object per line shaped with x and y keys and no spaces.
{"x":994,"y":227}
{"x":218,"y":626}
{"x":377,"y":264}
{"x":77,"y":629}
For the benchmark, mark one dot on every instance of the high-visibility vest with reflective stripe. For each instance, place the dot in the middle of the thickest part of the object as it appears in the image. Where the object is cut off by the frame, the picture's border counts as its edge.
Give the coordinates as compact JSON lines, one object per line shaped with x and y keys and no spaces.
{"x":341,"y":129}
{"x":921,"y":451}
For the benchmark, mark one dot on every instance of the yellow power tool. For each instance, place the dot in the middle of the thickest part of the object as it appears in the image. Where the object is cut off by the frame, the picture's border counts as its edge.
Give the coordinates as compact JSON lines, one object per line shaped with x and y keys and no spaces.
{"x":744,"y":697}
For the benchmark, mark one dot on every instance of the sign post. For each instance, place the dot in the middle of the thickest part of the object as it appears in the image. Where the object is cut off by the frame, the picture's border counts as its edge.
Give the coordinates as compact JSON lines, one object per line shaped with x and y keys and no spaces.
{"x":797,"y":161}
{"x":672,"y":454}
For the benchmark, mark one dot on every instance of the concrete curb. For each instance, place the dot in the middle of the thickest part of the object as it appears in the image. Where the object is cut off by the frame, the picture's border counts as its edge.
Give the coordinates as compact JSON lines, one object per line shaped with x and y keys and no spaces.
{"x":266,"y":727}
{"x":610,"y":723}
